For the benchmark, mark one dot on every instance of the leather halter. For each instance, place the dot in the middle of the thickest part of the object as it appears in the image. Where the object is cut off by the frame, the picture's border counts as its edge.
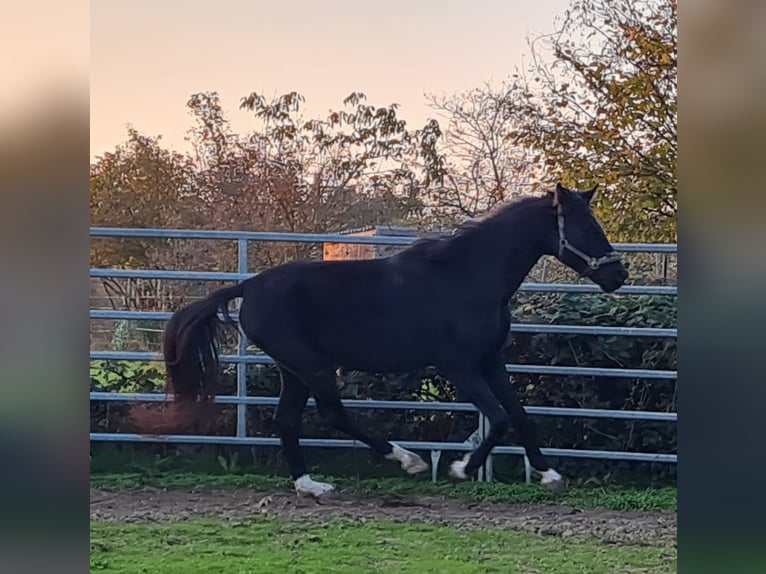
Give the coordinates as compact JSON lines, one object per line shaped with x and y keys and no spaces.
{"x":594,"y":263}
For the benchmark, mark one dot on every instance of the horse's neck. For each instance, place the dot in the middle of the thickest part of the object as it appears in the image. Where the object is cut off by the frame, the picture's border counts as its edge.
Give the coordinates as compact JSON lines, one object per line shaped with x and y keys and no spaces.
{"x":517,"y":266}
{"x":521,"y":249}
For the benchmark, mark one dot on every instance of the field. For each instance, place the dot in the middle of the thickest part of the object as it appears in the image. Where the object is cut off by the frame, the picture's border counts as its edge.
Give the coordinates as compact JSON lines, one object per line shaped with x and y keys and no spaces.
{"x":191,"y":523}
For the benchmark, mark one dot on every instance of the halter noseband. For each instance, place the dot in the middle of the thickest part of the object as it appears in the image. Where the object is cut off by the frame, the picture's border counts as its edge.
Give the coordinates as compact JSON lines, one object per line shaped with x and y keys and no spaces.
{"x":594,"y":263}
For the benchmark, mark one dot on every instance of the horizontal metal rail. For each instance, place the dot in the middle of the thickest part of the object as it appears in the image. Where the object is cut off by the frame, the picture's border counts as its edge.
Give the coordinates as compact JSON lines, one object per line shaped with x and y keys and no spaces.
{"x":593,"y":330}
{"x":511,"y":367}
{"x":516,"y":327}
{"x":402,"y":405}
{"x":414,"y":445}
{"x":224,"y":276}
{"x":318,"y":237}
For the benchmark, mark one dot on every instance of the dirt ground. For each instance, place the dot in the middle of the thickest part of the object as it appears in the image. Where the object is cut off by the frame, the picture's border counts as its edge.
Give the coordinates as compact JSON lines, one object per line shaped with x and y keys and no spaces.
{"x":655,"y":528}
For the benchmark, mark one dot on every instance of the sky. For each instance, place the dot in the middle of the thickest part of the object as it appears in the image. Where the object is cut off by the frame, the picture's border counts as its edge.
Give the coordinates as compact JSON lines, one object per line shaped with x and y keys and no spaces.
{"x":149,"y":56}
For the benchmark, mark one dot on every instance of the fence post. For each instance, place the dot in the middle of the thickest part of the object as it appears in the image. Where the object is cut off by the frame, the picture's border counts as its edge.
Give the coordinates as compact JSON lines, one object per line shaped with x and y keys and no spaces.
{"x":241,"y":347}
{"x":435,"y":457}
{"x":527,"y":470}
{"x":487,"y":468}
{"x":482,"y":437}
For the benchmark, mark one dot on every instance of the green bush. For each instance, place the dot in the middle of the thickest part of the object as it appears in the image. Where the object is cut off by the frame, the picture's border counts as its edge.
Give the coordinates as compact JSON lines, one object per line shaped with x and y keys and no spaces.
{"x":628,"y":352}
{"x":127,"y":376}
{"x":120,"y":377}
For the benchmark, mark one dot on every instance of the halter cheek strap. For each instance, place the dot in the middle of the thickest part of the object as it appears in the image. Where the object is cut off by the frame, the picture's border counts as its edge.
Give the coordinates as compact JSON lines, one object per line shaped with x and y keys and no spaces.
{"x":594,"y":263}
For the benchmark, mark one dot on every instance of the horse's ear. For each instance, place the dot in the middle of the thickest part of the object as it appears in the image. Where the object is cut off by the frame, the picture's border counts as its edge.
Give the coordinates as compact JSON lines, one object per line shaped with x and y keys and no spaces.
{"x":588,"y":195}
{"x":559,"y":195}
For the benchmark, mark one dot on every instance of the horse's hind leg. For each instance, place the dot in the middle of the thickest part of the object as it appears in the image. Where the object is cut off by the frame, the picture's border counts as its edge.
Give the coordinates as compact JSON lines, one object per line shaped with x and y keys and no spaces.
{"x":325,"y":390}
{"x":472,"y":387}
{"x":292,"y":402}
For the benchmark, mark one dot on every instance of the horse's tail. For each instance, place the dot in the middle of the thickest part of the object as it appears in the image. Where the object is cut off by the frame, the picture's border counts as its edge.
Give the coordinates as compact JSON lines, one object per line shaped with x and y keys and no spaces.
{"x":190,"y":349}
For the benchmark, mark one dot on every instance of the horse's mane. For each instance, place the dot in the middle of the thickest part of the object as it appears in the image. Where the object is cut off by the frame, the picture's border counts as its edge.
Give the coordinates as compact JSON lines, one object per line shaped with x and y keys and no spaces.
{"x":476,"y":232}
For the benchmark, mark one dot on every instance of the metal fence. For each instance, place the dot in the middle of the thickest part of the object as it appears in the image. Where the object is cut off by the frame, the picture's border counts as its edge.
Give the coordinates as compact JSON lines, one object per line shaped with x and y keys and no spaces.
{"x":242,"y":358}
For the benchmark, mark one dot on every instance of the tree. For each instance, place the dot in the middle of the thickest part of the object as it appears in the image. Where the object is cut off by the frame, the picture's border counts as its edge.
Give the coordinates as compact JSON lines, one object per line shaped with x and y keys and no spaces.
{"x":482,"y":166}
{"x":354,"y":168}
{"x":604,"y":110}
{"x":358,"y":166}
{"x":139,"y":184}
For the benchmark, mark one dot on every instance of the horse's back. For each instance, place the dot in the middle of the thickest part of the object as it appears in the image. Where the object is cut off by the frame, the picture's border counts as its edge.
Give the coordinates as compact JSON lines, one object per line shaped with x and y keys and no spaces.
{"x":364,"y":314}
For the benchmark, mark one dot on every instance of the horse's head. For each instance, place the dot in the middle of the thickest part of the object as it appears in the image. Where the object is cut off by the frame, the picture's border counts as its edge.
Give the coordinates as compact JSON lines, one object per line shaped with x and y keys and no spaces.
{"x":579,"y":241}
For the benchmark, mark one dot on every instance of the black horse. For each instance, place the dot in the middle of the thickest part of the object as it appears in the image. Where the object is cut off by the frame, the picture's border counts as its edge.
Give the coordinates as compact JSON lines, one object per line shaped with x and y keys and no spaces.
{"x":440,"y":302}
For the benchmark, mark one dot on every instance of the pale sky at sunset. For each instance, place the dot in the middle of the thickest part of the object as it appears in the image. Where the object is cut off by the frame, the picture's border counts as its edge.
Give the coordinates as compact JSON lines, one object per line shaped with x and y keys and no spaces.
{"x":148,"y":56}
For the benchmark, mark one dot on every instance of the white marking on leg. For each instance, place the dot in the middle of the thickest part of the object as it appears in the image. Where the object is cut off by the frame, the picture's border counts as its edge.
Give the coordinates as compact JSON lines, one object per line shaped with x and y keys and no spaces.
{"x":411,"y":462}
{"x":457,"y":468}
{"x":549,"y":477}
{"x":304,"y":486}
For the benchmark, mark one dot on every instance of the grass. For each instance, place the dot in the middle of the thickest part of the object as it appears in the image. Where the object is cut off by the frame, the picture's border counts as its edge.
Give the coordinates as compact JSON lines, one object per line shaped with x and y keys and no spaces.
{"x":267,"y":545}
{"x":612,"y":498}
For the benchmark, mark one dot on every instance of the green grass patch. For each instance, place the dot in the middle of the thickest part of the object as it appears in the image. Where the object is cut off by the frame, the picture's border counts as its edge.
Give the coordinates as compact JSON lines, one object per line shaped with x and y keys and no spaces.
{"x":267,"y":545}
{"x":609,"y":497}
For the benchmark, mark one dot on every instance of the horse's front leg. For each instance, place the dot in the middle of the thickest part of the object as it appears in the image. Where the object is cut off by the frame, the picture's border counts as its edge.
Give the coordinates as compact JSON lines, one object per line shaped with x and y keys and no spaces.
{"x":500,"y":385}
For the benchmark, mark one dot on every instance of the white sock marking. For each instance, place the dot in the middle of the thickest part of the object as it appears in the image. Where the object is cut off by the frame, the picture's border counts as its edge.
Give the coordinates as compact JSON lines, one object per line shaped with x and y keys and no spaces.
{"x":304,"y":486}
{"x":549,"y":476}
{"x":457,"y":468}
{"x":411,"y":462}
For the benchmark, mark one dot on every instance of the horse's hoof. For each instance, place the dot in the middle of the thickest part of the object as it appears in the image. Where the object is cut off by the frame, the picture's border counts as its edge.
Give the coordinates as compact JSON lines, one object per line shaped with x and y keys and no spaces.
{"x":411,"y":462}
{"x":305,"y":487}
{"x":552,"y":480}
{"x":457,"y":468}
{"x":416,"y":466}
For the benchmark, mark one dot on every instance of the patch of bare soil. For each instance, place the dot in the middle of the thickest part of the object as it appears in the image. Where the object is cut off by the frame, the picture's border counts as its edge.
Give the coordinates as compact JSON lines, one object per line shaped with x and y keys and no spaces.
{"x":654,"y":528}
